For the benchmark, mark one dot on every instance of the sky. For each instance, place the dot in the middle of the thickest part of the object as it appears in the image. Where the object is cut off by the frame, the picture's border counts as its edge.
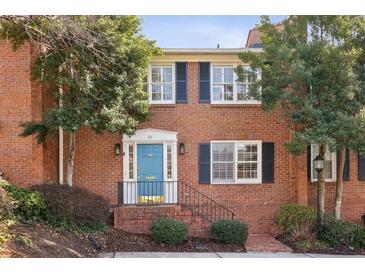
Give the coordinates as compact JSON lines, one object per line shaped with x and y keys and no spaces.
{"x":200,"y":31}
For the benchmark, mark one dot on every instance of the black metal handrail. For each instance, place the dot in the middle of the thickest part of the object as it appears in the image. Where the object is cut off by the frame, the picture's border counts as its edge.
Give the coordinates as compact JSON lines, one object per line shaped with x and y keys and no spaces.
{"x":202,"y":205}
{"x":162,"y":192}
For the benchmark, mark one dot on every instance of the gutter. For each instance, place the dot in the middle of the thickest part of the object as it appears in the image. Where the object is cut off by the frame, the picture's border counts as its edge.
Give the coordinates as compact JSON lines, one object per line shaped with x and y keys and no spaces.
{"x":193,"y":51}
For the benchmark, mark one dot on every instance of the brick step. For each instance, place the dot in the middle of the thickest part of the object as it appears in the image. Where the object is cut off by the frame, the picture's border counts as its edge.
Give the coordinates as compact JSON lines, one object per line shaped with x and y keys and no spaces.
{"x":137,"y":219}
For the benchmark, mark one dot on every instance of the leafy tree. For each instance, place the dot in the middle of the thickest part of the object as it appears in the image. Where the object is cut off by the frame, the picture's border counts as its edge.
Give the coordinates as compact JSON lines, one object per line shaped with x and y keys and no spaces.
{"x":314,"y":70}
{"x":95,"y":66}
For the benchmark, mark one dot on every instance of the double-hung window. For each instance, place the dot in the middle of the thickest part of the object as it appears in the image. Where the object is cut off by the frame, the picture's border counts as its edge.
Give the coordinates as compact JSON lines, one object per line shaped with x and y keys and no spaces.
{"x":161,"y":87}
{"x":236,"y":161}
{"x":226,"y":89}
{"x":329,"y":163}
{"x":223,"y":82}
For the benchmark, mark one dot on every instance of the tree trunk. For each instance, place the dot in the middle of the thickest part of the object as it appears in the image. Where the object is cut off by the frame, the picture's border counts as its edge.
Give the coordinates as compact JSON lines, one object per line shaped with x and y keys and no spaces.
{"x":339,"y":183}
{"x":71,"y":158}
{"x":322,"y":184}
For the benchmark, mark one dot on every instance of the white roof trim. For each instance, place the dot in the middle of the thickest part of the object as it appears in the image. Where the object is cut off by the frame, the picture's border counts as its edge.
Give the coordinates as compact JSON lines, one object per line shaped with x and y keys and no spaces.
{"x":151,"y":135}
{"x":208,"y":50}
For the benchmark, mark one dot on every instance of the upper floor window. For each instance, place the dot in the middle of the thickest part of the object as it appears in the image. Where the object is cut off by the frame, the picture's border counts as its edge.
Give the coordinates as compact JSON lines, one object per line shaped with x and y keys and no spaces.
{"x":236,"y":162}
{"x":161,"y":88}
{"x":226,"y":89}
{"x":329,"y":162}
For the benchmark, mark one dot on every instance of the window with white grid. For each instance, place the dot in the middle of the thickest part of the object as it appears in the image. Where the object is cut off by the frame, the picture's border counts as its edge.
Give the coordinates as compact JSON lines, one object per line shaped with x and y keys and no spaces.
{"x":222,"y":83}
{"x":243,"y":88}
{"x":169,"y":161}
{"x":223,"y":162}
{"x":226,"y":89}
{"x":236,"y":161}
{"x":161,"y":84}
{"x":247,"y":161}
{"x":329,"y":162}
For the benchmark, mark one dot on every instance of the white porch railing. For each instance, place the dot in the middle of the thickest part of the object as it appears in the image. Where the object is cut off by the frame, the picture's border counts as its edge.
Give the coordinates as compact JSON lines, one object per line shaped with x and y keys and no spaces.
{"x":147,"y":192}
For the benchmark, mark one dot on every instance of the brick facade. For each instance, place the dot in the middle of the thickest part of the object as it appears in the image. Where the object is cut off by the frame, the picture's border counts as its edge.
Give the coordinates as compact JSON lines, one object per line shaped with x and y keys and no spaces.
{"x":22,"y":100}
{"x":21,"y":159}
{"x":137,"y":219}
{"x":98,"y":169}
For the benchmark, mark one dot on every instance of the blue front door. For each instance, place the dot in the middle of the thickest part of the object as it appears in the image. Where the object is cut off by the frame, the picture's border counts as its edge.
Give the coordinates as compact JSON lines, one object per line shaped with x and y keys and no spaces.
{"x":150,"y":172}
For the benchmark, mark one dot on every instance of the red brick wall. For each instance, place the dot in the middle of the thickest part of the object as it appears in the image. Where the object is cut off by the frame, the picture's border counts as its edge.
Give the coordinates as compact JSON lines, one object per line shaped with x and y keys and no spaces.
{"x":50,"y":146}
{"x":98,"y":169}
{"x":137,"y":219}
{"x":353,"y":201}
{"x":20,"y":101}
{"x":96,"y":166}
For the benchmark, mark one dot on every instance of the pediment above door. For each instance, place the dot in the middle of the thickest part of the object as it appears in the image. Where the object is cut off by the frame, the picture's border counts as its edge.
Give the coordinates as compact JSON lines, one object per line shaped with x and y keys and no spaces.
{"x":151,"y":134}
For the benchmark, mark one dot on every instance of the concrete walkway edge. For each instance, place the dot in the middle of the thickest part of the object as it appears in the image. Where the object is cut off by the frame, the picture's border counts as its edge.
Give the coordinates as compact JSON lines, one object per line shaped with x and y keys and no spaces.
{"x":221,"y":255}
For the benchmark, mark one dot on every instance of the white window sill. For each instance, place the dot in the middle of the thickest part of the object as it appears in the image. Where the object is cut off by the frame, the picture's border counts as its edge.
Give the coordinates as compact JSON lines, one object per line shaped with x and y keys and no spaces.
{"x":235,"y":103}
{"x":326,"y":181}
{"x":237,"y":183}
{"x":162,"y":103}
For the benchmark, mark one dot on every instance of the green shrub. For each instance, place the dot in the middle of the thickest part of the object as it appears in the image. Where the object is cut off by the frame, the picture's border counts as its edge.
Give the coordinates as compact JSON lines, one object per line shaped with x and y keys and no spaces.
{"x":229,"y":231}
{"x":29,"y":205}
{"x":342,"y":233}
{"x":4,"y":233}
{"x":7,"y":206}
{"x":168,"y":230}
{"x":74,"y":206}
{"x":309,"y":245}
{"x":297,"y":222}
{"x":69,"y":208}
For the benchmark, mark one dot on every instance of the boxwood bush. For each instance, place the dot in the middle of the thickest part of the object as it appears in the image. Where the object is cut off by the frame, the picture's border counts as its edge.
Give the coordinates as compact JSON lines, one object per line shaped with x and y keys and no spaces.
{"x":229,"y":231}
{"x":342,"y":233}
{"x":297,"y":222}
{"x":169,"y":231}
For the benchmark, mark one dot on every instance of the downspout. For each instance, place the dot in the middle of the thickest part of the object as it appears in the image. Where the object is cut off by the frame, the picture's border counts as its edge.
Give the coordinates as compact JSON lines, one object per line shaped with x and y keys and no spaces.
{"x":60,"y":138}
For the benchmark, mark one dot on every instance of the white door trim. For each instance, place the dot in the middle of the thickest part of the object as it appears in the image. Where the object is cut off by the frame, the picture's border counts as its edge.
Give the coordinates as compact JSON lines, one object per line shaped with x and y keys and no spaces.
{"x":150,"y":136}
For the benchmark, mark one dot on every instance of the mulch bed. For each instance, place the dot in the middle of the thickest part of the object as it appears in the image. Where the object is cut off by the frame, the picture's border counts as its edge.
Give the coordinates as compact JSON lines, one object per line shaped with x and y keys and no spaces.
{"x":41,"y":241}
{"x":120,"y":241}
{"x":324,"y":249}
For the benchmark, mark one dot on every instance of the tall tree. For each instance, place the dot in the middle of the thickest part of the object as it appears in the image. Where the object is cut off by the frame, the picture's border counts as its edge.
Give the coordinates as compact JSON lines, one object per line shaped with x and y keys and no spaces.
{"x":97,"y":62}
{"x":314,"y":71}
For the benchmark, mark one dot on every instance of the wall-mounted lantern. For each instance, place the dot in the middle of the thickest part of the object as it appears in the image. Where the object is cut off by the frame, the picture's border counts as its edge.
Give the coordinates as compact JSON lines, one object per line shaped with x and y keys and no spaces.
{"x":181,"y":148}
{"x":117,"y":149}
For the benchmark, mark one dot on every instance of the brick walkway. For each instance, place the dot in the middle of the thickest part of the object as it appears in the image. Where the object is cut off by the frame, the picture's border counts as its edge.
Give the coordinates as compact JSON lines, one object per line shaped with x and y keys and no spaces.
{"x":265,"y":243}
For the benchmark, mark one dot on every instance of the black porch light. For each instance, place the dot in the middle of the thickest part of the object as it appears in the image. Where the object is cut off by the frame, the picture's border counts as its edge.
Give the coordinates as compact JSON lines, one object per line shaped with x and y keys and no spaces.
{"x":318,"y":163}
{"x":181,"y":148}
{"x":117,"y":149}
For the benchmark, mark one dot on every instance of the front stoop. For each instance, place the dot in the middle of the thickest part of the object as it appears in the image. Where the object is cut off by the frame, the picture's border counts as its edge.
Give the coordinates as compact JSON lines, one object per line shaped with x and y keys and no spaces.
{"x":138,"y":218}
{"x":265,"y":243}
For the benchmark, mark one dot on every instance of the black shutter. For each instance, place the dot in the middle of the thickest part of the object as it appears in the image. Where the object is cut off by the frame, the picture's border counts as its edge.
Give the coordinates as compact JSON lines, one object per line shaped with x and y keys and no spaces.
{"x":181,"y":82}
{"x":361,"y":167}
{"x":346,"y":169}
{"x":309,"y":163}
{"x":204,"y":82}
{"x":268,"y":156}
{"x":120,"y":193}
{"x":204,"y":163}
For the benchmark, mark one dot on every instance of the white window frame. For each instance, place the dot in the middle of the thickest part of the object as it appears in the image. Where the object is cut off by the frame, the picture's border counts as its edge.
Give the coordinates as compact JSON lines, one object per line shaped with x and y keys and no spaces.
{"x":149,"y":84}
{"x":235,"y":84}
{"x":334,"y":165}
{"x":237,"y":181}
